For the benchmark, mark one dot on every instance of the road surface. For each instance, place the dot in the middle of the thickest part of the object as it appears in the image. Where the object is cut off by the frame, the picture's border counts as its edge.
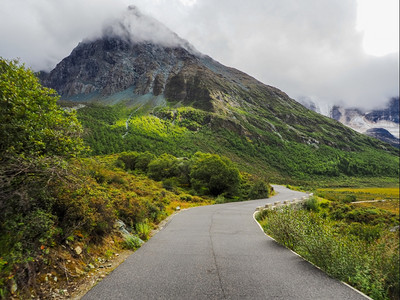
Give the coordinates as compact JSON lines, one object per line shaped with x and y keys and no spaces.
{"x":219,"y":252}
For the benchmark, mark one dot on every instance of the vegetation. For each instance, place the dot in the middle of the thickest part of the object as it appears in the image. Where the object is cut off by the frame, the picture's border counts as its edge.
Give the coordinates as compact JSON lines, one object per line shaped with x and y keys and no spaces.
{"x":184,"y":131}
{"x":201,"y":174}
{"x":355,"y":244}
{"x":67,"y":176}
{"x":36,"y":140}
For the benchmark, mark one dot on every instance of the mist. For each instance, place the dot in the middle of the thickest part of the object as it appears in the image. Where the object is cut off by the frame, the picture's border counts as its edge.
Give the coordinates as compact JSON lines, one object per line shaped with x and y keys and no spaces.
{"x":309,"y":49}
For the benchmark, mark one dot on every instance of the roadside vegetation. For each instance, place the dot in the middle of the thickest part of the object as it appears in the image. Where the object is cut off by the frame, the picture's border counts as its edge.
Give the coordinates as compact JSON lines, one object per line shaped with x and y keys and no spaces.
{"x":64,"y":211}
{"x":356,"y":243}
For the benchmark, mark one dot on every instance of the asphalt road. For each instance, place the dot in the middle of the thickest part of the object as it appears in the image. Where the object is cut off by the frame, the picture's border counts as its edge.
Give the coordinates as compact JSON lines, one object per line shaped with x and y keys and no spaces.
{"x":219,"y":252}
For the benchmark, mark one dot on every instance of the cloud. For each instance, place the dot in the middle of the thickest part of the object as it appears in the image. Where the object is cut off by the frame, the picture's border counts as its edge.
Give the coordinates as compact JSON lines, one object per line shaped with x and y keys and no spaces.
{"x":135,"y":27}
{"x":42,"y":32}
{"x":308,"y":48}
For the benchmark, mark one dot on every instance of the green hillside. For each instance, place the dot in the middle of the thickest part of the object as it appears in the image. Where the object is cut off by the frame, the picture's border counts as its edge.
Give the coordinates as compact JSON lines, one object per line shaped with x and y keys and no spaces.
{"x":313,"y":147}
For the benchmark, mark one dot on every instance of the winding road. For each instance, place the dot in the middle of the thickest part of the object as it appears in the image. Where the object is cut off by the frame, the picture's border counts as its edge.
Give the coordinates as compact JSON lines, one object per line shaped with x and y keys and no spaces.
{"x":219,"y":252}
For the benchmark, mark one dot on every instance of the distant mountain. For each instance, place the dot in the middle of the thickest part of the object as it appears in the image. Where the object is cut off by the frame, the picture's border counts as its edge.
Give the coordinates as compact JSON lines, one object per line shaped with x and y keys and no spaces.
{"x":382,"y":124}
{"x":212,"y":107}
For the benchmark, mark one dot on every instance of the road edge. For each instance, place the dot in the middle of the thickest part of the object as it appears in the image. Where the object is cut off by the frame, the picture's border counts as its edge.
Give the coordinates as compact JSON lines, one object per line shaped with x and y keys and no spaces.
{"x":270,"y":237}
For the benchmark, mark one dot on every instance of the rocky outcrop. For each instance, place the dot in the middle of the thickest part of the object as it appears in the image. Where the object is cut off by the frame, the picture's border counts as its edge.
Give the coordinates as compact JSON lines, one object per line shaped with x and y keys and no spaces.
{"x":383,"y":135}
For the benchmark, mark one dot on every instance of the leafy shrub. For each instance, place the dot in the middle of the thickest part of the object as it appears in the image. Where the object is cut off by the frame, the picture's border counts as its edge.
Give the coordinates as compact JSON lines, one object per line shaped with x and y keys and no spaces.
{"x":366,"y":232}
{"x":143,"y":230}
{"x":311,"y":204}
{"x":37,"y":140}
{"x":136,"y":161}
{"x":349,"y":198}
{"x":370,"y":267}
{"x":165,"y":166}
{"x":132,"y":241}
{"x":214,"y":175}
{"x":170,"y":184}
{"x":259,"y":190}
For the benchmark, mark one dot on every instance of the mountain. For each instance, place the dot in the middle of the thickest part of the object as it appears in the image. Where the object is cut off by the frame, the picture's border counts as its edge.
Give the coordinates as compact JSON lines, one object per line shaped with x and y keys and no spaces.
{"x":382,"y":124}
{"x":178,"y":100}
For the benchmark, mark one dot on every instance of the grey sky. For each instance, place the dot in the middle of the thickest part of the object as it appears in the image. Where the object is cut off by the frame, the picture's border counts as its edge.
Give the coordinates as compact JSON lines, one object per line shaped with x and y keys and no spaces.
{"x":308,"y":49}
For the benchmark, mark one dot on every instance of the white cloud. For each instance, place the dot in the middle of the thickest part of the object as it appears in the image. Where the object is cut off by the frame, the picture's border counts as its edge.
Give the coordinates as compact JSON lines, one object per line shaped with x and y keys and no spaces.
{"x":308,"y":48}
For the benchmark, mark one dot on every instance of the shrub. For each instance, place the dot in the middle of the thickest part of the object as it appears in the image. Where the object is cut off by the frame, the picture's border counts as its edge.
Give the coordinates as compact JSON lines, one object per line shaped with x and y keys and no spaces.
{"x":311,"y":204}
{"x":372,"y":268}
{"x":165,"y":166}
{"x":259,"y":190}
{"x":143,"y":230}
{"x":132,"y":241}
{"x":212,"y":174}
{"x":170,"y":184}
{"x":136,"y":161}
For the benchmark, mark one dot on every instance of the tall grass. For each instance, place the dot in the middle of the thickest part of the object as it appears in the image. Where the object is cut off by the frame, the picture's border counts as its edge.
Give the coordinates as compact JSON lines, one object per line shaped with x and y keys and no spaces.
{"x":370,"y":267}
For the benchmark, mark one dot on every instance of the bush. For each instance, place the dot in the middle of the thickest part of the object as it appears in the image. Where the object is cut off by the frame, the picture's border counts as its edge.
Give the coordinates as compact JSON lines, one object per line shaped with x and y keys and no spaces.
{"x":311,"y":204}
{"x":37,"y":140}
{"x":136,"y":161}
{"x":165,"y":166}
{"x":143,"y":230}
{"x":132,"y":241}
{"x":259,"y":190}
{"x":372,"y":268}
{"x":170,"y":184}
{"x":214,"y":175}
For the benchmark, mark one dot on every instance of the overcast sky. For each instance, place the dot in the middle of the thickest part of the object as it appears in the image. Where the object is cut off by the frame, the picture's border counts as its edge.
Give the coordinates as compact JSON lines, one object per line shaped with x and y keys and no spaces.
{"x":330,"y":51}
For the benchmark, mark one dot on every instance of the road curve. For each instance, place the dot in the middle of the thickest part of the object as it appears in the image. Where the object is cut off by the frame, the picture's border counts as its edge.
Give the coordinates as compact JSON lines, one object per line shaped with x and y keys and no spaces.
{"x":218,"y":252}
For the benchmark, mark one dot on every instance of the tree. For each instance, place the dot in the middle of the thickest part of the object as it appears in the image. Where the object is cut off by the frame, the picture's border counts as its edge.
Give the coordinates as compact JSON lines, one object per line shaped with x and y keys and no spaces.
{"x":215,"y":175}
{"x":37,"y":138}
{"x":165,"y":166}
{"x":31,"y":122}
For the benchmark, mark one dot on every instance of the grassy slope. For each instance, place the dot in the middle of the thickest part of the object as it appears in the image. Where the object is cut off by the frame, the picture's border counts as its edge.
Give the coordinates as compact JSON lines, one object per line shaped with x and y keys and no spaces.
{"x":282,"y":153}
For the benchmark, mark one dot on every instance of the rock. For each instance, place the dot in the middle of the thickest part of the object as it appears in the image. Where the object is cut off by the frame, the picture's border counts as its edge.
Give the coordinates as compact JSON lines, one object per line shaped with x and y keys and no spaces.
{"x":78,"y":250}
{"x":55,"y":279}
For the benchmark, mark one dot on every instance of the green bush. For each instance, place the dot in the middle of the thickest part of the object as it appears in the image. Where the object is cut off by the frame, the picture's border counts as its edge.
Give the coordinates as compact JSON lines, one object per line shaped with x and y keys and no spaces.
{"x":259,"y":190}
{"x":164,"y":166}
{"x":370,"y":267}
{"x":311,"y":204}
{"x":143,"y":230}
{"x":214,"y":175}
{"x":37,"y":141}
{"x":132,"y":241}
{"x":136,"y":161}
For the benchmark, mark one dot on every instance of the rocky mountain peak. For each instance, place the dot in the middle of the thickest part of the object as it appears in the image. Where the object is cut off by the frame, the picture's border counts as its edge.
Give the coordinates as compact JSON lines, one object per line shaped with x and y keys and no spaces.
{"x":135,"y":55}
